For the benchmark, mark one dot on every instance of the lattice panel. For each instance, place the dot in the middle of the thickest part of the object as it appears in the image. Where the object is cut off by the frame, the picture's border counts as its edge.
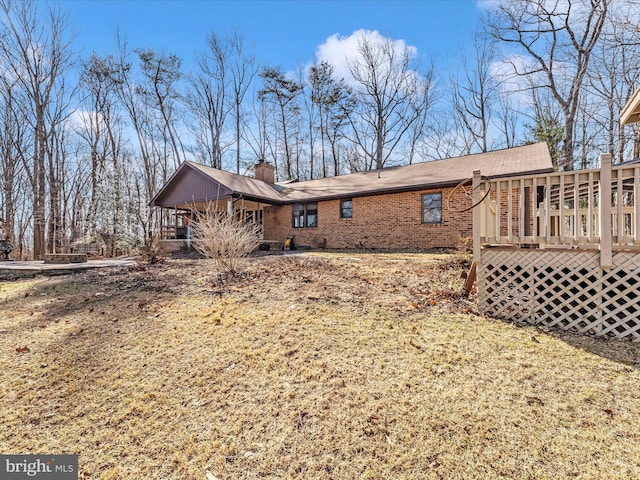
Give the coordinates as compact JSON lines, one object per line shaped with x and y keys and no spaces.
{"x":566,"y":290}
{"x":504,"y":287}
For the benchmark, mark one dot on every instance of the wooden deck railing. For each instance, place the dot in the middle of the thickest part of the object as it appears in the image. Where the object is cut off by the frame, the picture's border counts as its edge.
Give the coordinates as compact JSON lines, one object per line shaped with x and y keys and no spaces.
{"x":561,"y":210}
{"x":168,"y":232}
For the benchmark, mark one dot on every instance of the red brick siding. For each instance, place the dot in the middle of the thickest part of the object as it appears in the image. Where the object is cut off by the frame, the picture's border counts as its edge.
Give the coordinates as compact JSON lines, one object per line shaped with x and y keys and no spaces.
{"x":392,"y":221}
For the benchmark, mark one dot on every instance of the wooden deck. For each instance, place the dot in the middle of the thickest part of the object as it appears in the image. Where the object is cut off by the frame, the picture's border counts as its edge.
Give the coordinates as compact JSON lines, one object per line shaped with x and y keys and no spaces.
{"x":562,"y":250}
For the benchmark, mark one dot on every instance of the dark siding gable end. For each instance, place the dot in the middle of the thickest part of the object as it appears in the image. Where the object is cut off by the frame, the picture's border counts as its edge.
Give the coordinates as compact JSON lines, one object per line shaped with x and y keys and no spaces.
{"x":190,"y":185}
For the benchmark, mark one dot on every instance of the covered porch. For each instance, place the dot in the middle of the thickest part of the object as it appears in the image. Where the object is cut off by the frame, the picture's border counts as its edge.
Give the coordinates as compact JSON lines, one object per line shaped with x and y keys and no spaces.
{"x":195,"y":189}
{"x":175,"y":222}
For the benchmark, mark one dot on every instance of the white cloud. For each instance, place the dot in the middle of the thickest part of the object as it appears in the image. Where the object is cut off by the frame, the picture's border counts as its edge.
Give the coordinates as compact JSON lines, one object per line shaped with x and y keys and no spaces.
{"x":340,"y":50}
{"x":487,"y":5}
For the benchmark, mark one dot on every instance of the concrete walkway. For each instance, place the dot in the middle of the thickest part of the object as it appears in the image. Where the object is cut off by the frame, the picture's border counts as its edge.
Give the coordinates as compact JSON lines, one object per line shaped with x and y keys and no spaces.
{"x":10,"y":270}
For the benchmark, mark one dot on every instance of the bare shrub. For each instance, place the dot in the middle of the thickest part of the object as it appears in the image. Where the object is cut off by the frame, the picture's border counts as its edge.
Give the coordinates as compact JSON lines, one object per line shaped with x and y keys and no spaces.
{"x":225,"y":239}
{"x":463,"y":254}
{"x":152,"y":251}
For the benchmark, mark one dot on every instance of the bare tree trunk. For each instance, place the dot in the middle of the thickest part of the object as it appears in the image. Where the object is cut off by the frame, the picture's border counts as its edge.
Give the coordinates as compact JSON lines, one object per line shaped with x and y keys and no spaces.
{"x":559,"y":38}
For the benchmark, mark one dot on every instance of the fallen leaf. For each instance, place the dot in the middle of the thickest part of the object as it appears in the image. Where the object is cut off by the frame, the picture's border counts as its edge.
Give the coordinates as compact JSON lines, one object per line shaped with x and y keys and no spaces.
{"x":24,"y":349}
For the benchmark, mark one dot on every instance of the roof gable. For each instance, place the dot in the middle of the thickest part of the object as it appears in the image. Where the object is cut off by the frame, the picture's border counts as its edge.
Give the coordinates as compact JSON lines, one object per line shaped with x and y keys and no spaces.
{"x":189,"y":185}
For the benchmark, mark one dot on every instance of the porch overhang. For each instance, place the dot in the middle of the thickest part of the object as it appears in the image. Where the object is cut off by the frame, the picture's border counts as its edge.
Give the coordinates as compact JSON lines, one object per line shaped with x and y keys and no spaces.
{"x":630,"y":113}
{"x":192,"y":186}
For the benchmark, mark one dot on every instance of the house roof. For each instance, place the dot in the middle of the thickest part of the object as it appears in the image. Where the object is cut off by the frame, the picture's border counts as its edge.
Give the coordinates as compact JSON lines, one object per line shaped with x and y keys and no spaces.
{"x":630,"y":113}
{"x":193,"y":183}
{"x":528,"y":159}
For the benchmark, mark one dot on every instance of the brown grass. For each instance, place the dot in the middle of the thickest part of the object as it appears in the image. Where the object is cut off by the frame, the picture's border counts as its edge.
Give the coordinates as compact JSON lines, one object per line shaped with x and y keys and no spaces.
{"x":342,"y":366}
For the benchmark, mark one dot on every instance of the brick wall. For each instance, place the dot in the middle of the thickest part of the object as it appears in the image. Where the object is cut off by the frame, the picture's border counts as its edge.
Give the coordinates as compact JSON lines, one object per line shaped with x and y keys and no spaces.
{"x":392,"y":221}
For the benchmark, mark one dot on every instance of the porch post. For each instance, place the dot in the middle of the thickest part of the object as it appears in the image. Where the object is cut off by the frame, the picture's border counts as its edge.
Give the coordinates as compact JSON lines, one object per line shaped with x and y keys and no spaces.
{"x":230,"y":207}
{"x":606,"y":254}
{"x":477,"y":257}
{"x":189,"y":229}
{"x":159,"y":221}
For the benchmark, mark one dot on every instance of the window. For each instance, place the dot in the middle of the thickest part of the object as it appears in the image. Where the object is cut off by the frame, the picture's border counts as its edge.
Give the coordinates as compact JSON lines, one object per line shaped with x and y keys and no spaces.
{"x":432,"y":208}
{"x":305,"y":215}
{"x":346,"y":208}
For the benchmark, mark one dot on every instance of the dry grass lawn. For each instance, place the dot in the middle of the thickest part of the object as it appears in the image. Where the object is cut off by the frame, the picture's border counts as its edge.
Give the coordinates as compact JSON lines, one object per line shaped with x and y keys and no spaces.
{"x":340,"y":366}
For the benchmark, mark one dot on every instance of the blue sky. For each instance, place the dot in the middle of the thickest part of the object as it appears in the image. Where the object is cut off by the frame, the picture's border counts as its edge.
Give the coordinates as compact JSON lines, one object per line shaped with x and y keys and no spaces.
{"x":285,"y":33}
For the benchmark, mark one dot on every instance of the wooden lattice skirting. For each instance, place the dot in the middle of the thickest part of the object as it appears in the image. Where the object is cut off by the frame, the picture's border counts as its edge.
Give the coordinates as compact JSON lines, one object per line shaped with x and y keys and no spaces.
{"x":566,"y":290}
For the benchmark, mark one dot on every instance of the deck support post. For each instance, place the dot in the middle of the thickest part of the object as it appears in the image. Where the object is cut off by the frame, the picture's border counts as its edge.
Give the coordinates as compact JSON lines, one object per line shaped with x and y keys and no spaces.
{"x":606,"y":255}
{"x":230,"y":207}
{"x":477,"y":257}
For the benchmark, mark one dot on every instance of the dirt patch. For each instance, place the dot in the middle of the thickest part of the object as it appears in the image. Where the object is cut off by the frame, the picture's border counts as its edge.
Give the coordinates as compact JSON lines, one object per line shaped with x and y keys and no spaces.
{"x":335,"y":366}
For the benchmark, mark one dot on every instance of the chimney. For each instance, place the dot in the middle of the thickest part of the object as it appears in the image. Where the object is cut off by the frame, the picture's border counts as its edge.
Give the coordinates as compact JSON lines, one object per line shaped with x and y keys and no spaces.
{"x":265,"y":172}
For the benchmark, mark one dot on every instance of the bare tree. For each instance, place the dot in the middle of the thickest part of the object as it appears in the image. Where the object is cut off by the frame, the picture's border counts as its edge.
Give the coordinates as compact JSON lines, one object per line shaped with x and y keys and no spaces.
{"x":387,"y":86}
{"x":209,"y":99}
{"x":475,"y":94}
{"x":161,"y":73}
{"x":613,"y":76}
{"x":334,"y":102}
{"x":242,"y":69}
{"x":422,"y":103}
{"x":101,"y":132}
{"x":558,"y":37}
{"x":153,"y":168}
{"x":508,"y":119}
{"x":35,"y":57}
{"x":13,"y":136}
{"x":283,"y":94}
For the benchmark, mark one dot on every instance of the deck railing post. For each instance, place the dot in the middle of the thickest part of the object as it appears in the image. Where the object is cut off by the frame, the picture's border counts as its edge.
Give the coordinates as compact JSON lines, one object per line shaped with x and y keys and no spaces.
{"x":606,"y":255}
{"x":477,"y":257}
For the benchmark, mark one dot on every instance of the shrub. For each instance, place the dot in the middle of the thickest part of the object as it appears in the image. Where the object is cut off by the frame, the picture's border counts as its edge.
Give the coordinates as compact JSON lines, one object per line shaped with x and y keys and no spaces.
{"x":152,"y":251}
{"x":225,"y":239}
{"x":463,"y":254}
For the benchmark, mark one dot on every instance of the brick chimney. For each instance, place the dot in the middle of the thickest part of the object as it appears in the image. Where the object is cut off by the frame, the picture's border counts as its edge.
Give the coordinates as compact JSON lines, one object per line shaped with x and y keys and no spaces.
{"x":265,"y":172}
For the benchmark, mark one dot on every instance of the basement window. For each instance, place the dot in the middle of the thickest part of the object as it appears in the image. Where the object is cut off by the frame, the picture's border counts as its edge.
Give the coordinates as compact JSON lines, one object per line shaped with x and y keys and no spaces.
{"x":346,"y":208}
{"x":305,"y":215}
{"x":432,"y":208}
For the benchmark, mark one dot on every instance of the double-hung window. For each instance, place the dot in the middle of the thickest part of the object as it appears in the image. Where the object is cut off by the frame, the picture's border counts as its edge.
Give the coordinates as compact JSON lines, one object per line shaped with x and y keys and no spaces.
{"x":346,"y":208}
{"x":432,"y":208}
{"x":305,"y":215}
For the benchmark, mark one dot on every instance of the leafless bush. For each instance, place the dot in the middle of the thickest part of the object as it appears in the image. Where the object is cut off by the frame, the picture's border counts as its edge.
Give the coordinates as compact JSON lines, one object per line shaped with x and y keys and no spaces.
{"x":462,"y":255}
{"x":225,"y":239}
{"x":152,"y":251}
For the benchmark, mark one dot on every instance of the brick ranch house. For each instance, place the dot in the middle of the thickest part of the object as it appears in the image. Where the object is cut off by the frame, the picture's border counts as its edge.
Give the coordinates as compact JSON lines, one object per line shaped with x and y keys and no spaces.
{"x":392,"y":208}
